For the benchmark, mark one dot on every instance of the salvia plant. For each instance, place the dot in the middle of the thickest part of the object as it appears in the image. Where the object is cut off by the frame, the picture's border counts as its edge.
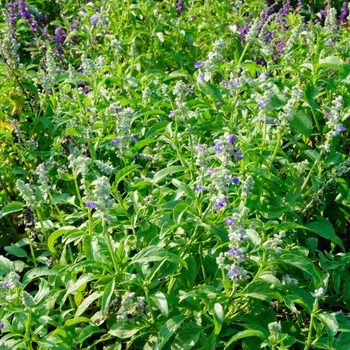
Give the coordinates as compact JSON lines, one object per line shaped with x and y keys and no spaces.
{"x":174,"y":175}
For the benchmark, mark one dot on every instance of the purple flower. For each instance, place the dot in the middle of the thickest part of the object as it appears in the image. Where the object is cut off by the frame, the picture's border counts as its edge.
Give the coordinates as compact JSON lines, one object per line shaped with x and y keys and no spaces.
{"x":198,"y":188}
{"x":231,"y":138}
{"x":217,"y":148}
{"x":261,"y":104}
{"x":91,"y":205}
{"x":328,"y":114}
{"x":329,"y":42}
{"x":344,"y":13}
{"x":133,"y":139}
{"x":340,"y":127}
{"x":1,"y":325}
{"x":221,"y":203}
{"x":190,"y":91}
{"x":235,"y":180}
{"x":171,"y":114}
{"x":115,"y":141}
{"x":232,"y":251}
{"x":180,"y":7}
{"x":119,"y":110}
{"x":199,"y":148}
{"x":210,"y":171}
{"x":198,"y":64}
{"x":229,"y":221}
{"x":201,"y":77}
{"x":6,"y":285}
{"x":233,"y":272}
{"x":93,"y":20}
{"x":237,"y":83}
{"x":23,"y":10}
{"x":237,"y":154}
{"x":33,"y":143}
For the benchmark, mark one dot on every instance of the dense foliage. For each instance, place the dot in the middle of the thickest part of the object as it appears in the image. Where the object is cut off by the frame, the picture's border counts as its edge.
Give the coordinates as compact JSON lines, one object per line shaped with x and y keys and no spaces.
{"x":174,"y":175}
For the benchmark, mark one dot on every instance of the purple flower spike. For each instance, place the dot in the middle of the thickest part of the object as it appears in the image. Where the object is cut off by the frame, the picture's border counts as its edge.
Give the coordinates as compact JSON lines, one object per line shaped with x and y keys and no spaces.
{"x":198,"y":64}
{"x":115,"y":141}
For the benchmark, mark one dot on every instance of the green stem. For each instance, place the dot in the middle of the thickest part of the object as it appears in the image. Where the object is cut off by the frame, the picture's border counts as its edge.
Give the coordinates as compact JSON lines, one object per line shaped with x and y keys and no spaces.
{"x":243,"y":53}
{"x":202,"y":263}
{"x":110,"y":248}
{"x":311,"y":170}
{"x":149,"y":303}
{"x":78,"y":191}
{"x":309,"y":335}
{"x":41,"y":224}
{"x":279,"y":138}
{"x":316,"y":121}
{"x":32,"y":253}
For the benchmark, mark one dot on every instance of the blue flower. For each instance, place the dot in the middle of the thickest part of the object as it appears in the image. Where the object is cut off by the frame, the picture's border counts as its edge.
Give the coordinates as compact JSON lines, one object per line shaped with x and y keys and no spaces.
{"x":231,"y":138}
{"x":340,"y":127}
{"x":235,"y":180}
{"x":198,"y":188}
{"x":1,"y":325}
{"x":115,"y":141}
{"x":91,"y":205}
{"x":229,"y":221}
{"x":198,"y":64}
{"x":217,"y":148}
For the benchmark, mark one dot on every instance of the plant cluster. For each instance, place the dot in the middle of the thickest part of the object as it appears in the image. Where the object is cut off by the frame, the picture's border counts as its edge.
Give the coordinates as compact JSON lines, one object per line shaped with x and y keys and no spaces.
{"x":174,"y":175}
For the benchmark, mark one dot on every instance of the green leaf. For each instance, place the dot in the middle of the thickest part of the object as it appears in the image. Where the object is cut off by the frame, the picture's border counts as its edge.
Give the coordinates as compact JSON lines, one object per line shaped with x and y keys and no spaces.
{"x":187,"y":337}
{"x":179,"y":210}
{"x":302,"y":262}
{"x":124,"y":172}
{"x":185,"y":188}
{"x":155,"y":253}
{"x":168,"y":330}
{"x":209,"y":89}
{"x":11,"y":208}
{"x":325,"y":231}
{"x":87,"y":302}
{"x":218,"y":318}
{"x":38,"y":272}
{"x":330,"y":323}
{"x":302,"y":122}
{"x":245,"y":334}
{"x":160,"y":300}
{"x":86,"y":332}
{"x":330,"y":61}
{"x":107,"y":296}
{"x":54,"y":235}
{"x":157,"y":127}
{"x":167,"y":171}
{"x":310,"y":93}
{"x":16,"y":251}
{"x":125,"y":330}
{"x":8,"y":265}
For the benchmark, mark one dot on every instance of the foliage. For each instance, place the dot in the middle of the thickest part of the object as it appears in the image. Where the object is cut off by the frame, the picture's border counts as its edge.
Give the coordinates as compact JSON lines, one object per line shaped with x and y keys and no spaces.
{"x":174,"y":175}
